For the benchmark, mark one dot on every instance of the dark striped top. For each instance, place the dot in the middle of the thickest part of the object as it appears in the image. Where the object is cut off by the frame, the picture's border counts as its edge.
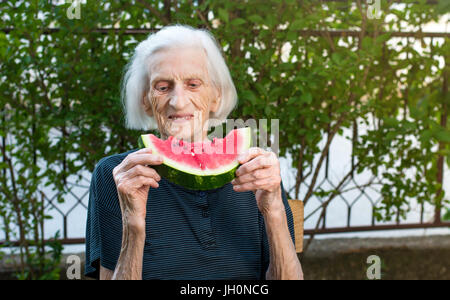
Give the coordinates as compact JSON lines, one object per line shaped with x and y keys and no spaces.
{"x":215,"y":234}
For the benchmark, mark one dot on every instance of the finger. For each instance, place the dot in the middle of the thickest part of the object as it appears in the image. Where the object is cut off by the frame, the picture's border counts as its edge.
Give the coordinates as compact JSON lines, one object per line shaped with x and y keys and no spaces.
{"x":143,"y":150}
{"x":257,"y":163}
{"x":141,"y":159}
{"x":140,"y":170}
{"x":140,"y":181}
{"x":129,"y":187}
{"x":254,"y":185}
{"x":253,"y":176}
{"x":250,"y":154}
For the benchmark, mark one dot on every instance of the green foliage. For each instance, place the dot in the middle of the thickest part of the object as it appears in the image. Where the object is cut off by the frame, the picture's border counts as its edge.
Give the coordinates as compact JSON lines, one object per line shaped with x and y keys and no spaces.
{"x":446,"y":216}
{"x":43,"y":267}
{"x":60,"y":99}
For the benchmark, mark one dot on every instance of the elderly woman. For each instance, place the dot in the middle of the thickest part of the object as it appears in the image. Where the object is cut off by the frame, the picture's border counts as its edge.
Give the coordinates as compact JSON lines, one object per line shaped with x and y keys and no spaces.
{"x":141,"y":226}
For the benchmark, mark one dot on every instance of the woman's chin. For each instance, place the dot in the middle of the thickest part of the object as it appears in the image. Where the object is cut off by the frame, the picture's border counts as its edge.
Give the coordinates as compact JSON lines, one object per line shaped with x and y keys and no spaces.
{"x":181,"y":134}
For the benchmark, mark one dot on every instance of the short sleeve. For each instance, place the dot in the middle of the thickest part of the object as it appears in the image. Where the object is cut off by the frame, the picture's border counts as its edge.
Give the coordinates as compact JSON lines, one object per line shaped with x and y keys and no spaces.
{"x":104,"y":222}
{"x":265,"y":241}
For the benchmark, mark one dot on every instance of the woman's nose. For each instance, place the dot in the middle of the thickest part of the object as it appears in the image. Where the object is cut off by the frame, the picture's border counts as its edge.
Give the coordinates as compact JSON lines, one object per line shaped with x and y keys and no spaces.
{"x":179,"y":99}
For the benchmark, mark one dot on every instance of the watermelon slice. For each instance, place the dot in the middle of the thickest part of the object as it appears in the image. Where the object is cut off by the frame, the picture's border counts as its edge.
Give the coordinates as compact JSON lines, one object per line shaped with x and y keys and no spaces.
{"x":201,"y":165}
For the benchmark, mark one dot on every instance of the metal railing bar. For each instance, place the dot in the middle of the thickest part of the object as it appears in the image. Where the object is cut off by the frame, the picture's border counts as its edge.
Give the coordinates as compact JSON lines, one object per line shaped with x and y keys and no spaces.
{"x":318,"y":33}
{"x":375,"y":228}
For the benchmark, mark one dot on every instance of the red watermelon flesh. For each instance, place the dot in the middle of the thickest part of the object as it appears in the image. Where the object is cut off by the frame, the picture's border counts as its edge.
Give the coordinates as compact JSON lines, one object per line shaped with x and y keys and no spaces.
{"x":209,"y":155}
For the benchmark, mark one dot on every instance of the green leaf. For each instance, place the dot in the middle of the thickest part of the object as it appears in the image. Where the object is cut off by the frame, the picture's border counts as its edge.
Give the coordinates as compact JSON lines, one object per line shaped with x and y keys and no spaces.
{"x":443,"y":6}
{"x":391,"y":135}
{"x":446,"y":216}
{"x":426,"y":135}
{"x":443,"y":136}
{"x":297,"y":24}
{"x":248,"y":95}
{"x":256,"y":19}
{"x":391,"y":122}
{"x":292,"y":35}
{"x":223,"y":14}
{"x":307,"y":98}
{"x":336,"y":57}
{"x":238,"y":22}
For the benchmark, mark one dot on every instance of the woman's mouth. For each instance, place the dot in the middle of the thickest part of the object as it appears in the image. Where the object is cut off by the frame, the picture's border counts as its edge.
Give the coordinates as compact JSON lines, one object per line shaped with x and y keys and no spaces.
{"x":179,"y":118}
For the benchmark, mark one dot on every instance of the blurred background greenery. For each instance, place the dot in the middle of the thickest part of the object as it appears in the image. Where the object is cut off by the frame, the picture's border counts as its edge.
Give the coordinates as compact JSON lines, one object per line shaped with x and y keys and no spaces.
{"x":320,"y":67}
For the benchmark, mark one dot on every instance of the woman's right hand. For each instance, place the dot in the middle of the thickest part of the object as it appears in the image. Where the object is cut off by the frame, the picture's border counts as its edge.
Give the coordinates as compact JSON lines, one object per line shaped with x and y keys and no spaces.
{"x":133,"y":179}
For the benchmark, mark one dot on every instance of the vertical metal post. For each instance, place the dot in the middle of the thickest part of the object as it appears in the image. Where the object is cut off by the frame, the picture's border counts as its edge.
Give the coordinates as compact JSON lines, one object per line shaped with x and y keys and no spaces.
{"x":65,"y":227}
{"x":440,"y":163}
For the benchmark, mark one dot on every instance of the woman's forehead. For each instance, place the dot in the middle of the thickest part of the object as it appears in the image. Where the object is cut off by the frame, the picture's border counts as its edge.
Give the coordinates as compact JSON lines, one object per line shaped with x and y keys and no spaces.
{"x":179,"y":64}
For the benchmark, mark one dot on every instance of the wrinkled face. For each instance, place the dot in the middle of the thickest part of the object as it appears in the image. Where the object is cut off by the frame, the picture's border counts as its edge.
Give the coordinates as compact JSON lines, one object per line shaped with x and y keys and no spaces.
{"x":181,"y":95}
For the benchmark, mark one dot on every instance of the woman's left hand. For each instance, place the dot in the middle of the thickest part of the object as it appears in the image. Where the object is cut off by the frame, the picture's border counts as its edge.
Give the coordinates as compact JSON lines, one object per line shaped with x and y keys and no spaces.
{"x":260,"y":172}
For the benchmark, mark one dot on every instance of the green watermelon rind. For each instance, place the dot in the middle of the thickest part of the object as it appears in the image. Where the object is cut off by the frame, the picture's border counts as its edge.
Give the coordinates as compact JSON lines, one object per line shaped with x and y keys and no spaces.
{"x":195,"y":182}
{"x":195,"y":179}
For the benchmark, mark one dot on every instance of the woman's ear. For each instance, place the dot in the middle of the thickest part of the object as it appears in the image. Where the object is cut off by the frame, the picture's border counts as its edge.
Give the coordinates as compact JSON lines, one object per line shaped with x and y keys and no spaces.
{"x":147,"y":106}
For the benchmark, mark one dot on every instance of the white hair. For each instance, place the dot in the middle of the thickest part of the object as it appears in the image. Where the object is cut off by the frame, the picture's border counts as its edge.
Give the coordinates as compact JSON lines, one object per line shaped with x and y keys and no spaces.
{"x":135,"y":83}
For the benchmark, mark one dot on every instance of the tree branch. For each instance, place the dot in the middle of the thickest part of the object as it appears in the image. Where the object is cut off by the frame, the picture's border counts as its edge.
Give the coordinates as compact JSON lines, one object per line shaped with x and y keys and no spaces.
{"x":154,"y":11}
